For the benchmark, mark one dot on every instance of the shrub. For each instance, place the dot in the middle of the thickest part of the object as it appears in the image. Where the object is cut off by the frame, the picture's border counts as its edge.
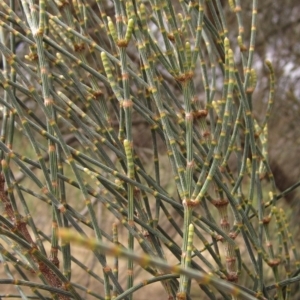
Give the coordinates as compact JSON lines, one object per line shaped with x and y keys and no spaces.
{"x":196,"y":209}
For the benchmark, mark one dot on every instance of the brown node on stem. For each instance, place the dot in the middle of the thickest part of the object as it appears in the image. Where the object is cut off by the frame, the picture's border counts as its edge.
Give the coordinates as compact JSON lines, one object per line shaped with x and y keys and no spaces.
{"x":107,"y":269}
{"x":219,"y":238}
{"x":190,"y":203}
{"x":274,"y":262}
{"x":184,"y":77}
{"x":97,"y":94}
{"x":61,"y":208}
{"x":266,"y":220}
{"x":51,"y":148}
{"x":131,"y":223}
{"x":201,"y":113}
{"x":136,"y":192}
{"x":190,"y":164}
{"x":44,"y":70}
{"x":206,"y":134}
{"x":181,"y":296}
{"x":39,"y":32}
{"x":122,"y":43}
{"x":257,"y":134}
{"x":233,"y":235}
{"x":144,"y":282}
{"x":224,"y":222}
{"x":54,"y":183}
{"x":232,"y":277}
{"x":230,"y":260}
{"x":11,"y":59}
{"x":243,"y":48}
{"x":32,"y":56}
{"x":189,"y":116}
{"x":62,"y":4}
{"x":44,"y":190}
{"x":48,"y":101}
{"x":237,"y":8}
{"x":127,"y":103}
{"x":78,"y":47}
{"x":220,"y":202}
{"x":171,"y":37}
{"x":129,"y":272}
{"x":250,"y":90}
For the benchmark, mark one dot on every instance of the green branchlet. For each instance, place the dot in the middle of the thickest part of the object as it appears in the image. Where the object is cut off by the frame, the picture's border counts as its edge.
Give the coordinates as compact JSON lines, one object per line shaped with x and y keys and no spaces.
{"x":101,"y":86}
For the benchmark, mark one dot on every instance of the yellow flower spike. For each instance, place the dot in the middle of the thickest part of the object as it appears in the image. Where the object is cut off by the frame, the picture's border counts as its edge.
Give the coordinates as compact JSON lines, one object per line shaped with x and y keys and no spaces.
{"x":182,"y":24}
{"x":143,"y":10}
{"x":216,"y":107}
{"x":130,"y":164}
{"x":191,"y":234}
{"x":112,"y":29}
{"x":188,"y":54}
{"x":230,"y":55}
{"x":180,"y":18}
{"x":248,"y":166}
{"x":270,"y":66}
{"x":106,"y":64}
{"x":129,"y":30}
{"x":241,"y":43}
{"x":232,"y":5}
{"x":143,"y":16}
{"x":129,"y":10}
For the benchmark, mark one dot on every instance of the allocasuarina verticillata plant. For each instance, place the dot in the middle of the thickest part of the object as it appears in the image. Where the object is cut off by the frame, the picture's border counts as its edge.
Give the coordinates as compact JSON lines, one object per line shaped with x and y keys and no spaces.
{"x":192,"y":212}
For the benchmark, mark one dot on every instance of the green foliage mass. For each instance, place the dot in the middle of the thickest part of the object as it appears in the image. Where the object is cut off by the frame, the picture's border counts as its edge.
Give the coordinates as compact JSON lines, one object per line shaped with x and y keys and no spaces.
{"x":137,"y":141}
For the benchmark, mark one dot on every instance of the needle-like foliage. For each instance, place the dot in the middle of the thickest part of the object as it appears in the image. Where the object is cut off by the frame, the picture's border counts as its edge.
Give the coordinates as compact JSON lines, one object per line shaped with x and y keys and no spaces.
{"x":197,"y":210}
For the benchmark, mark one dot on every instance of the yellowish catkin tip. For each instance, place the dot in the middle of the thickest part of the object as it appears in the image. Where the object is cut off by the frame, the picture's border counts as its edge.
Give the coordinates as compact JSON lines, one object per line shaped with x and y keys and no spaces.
{"x":226,"y":43}
{"x":129,"y":30}
{"x":231,"y":5}
{"x":126,"y":143}
{"x":269,"y":65}
{"x":180,"y":17}
{"x":130,"y":22}
{"x":240,"y":41}
{"x":143,"y":7}
{"x":271,"y":195}
{"x":112,"y":30}
{"x":103,"y":56}
{"x":268,"y":62}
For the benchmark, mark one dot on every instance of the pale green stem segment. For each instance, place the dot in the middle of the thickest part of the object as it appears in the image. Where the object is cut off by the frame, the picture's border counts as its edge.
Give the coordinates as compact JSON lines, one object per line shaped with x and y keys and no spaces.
{"x":144,"y":260}
{"x":184,"y":282}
